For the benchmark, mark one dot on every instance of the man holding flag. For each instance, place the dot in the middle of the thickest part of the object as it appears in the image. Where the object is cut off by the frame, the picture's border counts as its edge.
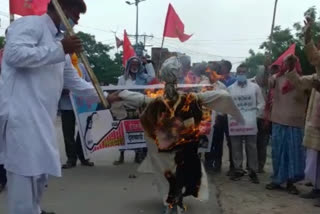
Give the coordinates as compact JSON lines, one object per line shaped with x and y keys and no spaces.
{"x":36,"y":67}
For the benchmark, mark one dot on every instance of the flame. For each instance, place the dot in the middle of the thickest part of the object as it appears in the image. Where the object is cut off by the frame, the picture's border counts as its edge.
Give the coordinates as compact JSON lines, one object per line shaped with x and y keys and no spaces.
{"x":154,"y":93}
{"x":190,"y":97}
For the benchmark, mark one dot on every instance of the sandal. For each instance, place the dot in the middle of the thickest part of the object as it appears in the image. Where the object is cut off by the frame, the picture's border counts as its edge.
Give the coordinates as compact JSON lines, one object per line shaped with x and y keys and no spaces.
{"x":273,"y":186}
{"x":292,"y":189}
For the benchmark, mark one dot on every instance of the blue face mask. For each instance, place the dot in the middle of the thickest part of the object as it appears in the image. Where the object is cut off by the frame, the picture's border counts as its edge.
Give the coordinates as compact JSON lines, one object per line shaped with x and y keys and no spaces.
{"x":63,"y":27}
{"x":242,"y":78}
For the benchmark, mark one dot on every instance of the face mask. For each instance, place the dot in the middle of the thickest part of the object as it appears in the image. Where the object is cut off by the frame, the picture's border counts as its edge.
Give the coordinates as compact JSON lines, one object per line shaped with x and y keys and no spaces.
{"x":242,"y":78}
{"x":63,"y":27}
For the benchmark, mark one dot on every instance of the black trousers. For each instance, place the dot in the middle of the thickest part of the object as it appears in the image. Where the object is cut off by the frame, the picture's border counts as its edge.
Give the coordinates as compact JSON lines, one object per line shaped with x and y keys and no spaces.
{"x":73,"y":147}
{"x":3,"y":175}
{"x":221,"y":129}
{"x":263,"y":137}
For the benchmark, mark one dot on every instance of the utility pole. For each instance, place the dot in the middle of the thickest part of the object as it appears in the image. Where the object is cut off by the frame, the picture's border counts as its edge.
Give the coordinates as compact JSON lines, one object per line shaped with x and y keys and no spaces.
{"x":136,"y":3}
{"x":273,"y":24}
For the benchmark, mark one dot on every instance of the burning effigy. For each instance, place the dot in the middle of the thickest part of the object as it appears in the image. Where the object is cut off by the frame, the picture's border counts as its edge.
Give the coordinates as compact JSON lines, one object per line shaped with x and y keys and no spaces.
{"x":171,"y":120}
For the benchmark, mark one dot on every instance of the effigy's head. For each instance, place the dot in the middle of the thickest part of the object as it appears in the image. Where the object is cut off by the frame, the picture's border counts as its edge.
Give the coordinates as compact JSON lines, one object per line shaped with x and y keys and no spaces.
{"x":169,"y":73}
{"x":170,"y":70}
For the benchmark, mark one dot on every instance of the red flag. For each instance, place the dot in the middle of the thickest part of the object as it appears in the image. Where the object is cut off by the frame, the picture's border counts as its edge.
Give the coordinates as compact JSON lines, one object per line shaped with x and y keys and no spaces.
{"x":119,"y":42}
{"x":28,"y":7}
{"x":128,"y":50}
{"x":174,"y":27}
{"x":290,"y":51}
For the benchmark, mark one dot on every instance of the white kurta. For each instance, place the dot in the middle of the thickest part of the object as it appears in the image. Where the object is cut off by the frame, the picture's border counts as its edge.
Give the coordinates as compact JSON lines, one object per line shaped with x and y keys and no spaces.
{"x":35,"y":69}
{"x":250,"y":101}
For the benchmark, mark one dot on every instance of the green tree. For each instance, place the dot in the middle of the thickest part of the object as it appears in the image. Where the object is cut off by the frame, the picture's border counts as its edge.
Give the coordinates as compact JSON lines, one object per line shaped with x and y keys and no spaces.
{"x":283,"y":38}
{"x":2,"y":41}
{"x":106,"y":69}
{"x":254,"y":61}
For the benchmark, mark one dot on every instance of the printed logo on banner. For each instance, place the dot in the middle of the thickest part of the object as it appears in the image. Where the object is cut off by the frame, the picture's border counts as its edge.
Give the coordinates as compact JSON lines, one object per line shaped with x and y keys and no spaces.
{"x":115,"y":137}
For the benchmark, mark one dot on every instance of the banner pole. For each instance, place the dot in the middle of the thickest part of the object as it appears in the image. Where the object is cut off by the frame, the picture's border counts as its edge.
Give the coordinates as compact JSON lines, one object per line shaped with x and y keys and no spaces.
{"x":82,"y":56}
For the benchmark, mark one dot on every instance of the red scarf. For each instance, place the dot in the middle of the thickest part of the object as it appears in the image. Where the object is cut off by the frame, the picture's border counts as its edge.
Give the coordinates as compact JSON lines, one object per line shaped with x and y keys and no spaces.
{"x":288,"y":86}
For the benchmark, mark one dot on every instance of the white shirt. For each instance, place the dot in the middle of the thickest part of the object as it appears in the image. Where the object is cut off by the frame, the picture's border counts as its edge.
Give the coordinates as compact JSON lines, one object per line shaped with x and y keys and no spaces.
{"x":250,"y":101}
{"x":35,"y":69}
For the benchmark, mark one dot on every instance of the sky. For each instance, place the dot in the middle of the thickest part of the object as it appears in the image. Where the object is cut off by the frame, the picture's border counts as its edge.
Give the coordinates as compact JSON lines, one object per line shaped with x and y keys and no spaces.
{"x":222,"y":29}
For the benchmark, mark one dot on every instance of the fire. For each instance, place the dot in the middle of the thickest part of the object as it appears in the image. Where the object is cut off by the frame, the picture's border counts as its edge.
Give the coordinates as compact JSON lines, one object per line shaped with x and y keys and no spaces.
{"x":154,"y":93}
{"x":189,"y":99}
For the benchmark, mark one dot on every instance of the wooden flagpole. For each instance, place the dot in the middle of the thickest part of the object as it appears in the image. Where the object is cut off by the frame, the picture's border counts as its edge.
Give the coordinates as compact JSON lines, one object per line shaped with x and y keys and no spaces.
{"x":82,"y":56}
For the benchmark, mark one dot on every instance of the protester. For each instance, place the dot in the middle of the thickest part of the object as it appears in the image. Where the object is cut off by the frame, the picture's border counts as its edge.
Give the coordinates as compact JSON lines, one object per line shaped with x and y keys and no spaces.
{"x":263,"y":134}
{"x":222,"y":128}
{"x":213,"y":159}
{"x":249,"y":99}
{"x":171,"y":122}
{"x":73,"y":146}
{"x":196,"y":75}
{"x":136,"y":74}
{"x":288,"y":116}
{"x":37,"y":55}
{"x":228,"y":79}
{"x":312,"y":128}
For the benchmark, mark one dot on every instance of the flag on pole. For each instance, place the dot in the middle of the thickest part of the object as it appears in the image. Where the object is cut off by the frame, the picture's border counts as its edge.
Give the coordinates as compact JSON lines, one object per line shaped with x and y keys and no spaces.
{"x":128,"y":50}
{"x":119,"y":42}
{"x":174,"y":27}
{"x":28,"y":7}
{"x":290,"y":51}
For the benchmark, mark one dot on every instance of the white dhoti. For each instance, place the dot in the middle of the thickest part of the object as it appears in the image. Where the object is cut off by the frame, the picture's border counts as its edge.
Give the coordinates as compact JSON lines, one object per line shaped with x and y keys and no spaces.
{"x":24,"y":193}
{"x":312,"y":170}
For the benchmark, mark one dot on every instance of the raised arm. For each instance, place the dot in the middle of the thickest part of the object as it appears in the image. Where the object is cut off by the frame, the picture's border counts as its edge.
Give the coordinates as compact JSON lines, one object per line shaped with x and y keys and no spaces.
{"x":220,"y":101}
{"x":300,"y":82}
{"x":23,"y":50}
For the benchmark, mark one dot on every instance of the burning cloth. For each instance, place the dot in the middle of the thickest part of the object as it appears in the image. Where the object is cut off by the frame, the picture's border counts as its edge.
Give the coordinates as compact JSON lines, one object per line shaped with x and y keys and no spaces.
{"x":171,"y":123}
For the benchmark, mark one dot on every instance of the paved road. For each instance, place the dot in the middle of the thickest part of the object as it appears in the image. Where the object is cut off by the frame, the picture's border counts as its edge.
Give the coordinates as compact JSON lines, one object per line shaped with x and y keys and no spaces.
{"x":108,"y":189}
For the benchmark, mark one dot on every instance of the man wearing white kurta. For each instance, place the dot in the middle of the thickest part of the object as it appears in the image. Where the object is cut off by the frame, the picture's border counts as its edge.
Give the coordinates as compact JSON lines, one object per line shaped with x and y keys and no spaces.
{"x":36,"y":67}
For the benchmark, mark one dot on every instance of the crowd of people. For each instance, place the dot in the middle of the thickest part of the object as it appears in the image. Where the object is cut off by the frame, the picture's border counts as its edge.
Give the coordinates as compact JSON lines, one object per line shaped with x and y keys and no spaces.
{"x":39,"y":68}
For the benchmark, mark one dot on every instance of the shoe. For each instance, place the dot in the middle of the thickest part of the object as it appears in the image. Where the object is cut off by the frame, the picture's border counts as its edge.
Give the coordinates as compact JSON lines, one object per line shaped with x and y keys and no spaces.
{"x":87,"y":163}
{"x":254,"y":178}
{"x":69,"y":165}
{"x":309,"y":184}
{"x":273,"y":186}
{"x":230,"y":172}
{"x":317,"y":204}
{"x":120,"y":161}
{"x":236,"y":176}
{"x":44,"y":212}
{"x":315,"y":193}
{"x":292,"y":189}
